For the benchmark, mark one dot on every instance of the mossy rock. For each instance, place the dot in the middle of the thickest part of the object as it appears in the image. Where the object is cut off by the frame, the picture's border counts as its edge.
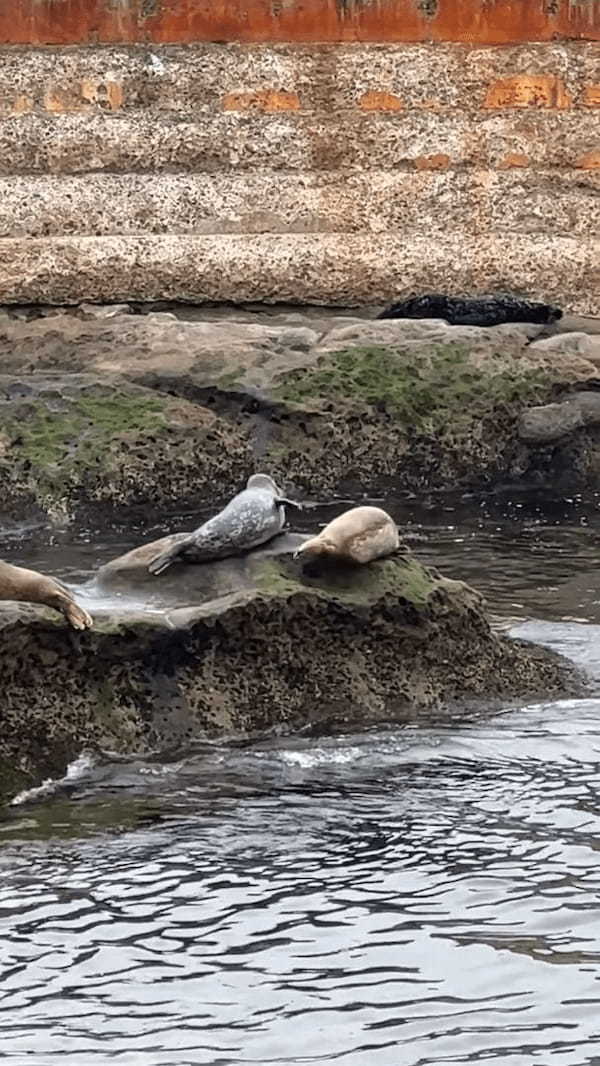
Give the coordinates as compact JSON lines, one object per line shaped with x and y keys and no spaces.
{"x":347,"y":405}
{"x":402,"y":579}
{"x":284,"y":650}
{"x":81,"y":429}
{"x":78,"y":446}
{"x":269,"y":572}
{"x":427,"y":417}
{"x":423,"y":389}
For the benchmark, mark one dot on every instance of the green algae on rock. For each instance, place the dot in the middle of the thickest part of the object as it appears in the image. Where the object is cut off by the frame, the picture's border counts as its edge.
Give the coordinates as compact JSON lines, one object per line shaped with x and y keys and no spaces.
{"x":422,"y":391}
{"x":174,"y":409}
{"x":79,"y":445}
{"x":246,"y":645}
{"x":422,"y":416}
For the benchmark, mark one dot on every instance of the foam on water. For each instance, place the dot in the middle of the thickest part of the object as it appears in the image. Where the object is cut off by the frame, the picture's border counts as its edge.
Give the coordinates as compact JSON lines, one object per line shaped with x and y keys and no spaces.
{"x":76,"y":771}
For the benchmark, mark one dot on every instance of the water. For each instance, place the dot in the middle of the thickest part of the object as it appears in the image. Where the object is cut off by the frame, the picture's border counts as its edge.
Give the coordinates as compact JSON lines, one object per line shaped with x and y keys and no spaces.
{"x":413,"y":896}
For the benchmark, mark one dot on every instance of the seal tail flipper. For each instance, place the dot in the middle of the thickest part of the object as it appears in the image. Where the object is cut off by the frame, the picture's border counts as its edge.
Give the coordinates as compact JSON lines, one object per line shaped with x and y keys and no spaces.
{"x":164,"y":560}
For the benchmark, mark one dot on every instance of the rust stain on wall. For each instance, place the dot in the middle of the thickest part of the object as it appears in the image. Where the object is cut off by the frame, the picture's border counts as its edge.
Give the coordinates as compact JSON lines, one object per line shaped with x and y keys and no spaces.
{"x":22,"y":105}
{"x":439,"y":161}
{"x":107,"y":95}
{"x":591,"y":96}
{"x":185,"y":21}
{"x":526,"y":90}
{"x":376,"y":100}
{"x":514,"y":159}
{"x":267,"y":100}
{"x":589,"y":161}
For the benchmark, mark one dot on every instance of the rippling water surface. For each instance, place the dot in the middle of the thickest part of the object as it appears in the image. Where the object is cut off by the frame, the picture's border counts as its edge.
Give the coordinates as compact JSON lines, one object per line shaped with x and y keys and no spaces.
{"x":422,"y":895}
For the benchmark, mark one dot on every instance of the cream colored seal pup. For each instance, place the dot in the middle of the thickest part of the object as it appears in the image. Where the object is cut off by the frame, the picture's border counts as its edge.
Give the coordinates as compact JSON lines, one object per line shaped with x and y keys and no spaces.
{"x":27,"y":586}
{"x":356,"y":536}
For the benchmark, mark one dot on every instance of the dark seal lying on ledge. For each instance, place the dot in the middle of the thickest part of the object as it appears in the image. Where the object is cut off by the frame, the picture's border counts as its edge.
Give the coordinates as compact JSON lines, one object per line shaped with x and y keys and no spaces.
{"x":473,"y":310}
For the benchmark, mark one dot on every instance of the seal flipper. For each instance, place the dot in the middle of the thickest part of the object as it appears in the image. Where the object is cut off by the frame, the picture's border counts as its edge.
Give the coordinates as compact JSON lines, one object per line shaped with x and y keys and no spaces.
{"x":281,"y":501}
{"x":163,"y":561}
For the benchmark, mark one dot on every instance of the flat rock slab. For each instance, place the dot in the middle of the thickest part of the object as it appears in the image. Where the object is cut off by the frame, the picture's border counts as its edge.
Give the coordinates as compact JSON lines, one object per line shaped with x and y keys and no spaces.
{"x":185,"y":584}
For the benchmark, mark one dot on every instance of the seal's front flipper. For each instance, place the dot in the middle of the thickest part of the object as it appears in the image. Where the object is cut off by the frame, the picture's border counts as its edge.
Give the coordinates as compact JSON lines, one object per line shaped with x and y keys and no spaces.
{"x":281,"y":501}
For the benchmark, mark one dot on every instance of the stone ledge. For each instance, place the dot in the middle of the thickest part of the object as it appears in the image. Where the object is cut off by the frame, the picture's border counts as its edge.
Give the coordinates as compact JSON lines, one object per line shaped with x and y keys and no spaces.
{"x":153,"y":140}
{"x":330,"y":269}
{"x":529,"y":77}
{"x":477,"y":203}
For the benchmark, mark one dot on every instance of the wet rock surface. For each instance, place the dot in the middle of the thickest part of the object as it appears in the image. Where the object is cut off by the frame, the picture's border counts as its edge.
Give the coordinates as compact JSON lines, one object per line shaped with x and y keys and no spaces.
{"x":183,"y":583}
{"x":245,"y":645}
{"x":103,"y":410}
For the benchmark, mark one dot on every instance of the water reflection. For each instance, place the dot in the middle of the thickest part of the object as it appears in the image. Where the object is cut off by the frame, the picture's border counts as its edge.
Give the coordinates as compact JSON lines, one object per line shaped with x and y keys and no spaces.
{"x":419,"y":895}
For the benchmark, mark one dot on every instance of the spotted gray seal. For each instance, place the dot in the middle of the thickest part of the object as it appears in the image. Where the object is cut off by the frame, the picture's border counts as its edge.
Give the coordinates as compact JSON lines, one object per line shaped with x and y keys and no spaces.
{"x":253,"y":517}
{"x":356,"y":536}
{"x":27,"y":586}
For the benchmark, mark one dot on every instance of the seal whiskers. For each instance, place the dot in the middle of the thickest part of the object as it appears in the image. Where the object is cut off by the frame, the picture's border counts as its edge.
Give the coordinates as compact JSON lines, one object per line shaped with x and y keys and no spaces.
{"x":28,"y":586}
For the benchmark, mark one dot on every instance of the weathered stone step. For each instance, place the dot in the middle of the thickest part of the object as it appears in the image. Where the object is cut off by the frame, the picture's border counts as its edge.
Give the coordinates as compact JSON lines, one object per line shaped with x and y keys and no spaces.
{"x":154,"y":141}
{"x":333,"y":269}
{"x":291,"y":78}
{"x":376,"y":202}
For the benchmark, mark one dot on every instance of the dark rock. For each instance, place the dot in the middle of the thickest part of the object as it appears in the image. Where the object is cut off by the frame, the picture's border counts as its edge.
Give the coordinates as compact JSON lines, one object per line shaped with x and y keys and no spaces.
{"x":248,"y":645}
{"x":551,"y":422}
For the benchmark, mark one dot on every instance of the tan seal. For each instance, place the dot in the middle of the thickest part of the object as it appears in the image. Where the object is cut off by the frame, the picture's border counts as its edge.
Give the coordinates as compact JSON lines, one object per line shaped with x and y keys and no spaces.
{"x":27,"y":586}
{"x":356,"y":536}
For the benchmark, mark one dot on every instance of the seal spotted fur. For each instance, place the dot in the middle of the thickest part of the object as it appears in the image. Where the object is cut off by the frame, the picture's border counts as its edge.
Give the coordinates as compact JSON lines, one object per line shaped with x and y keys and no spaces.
{"x":356,"y":536}
{"x":253,"y":517}
{"x":27,"y":586}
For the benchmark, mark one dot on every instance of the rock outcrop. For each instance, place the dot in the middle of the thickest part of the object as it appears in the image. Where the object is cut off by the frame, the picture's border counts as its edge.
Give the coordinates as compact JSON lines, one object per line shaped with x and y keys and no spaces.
{"x":243,"y":646}
{"x":554,"y":421}
{"x":103,"y":411}
{"x":91,"y":446}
